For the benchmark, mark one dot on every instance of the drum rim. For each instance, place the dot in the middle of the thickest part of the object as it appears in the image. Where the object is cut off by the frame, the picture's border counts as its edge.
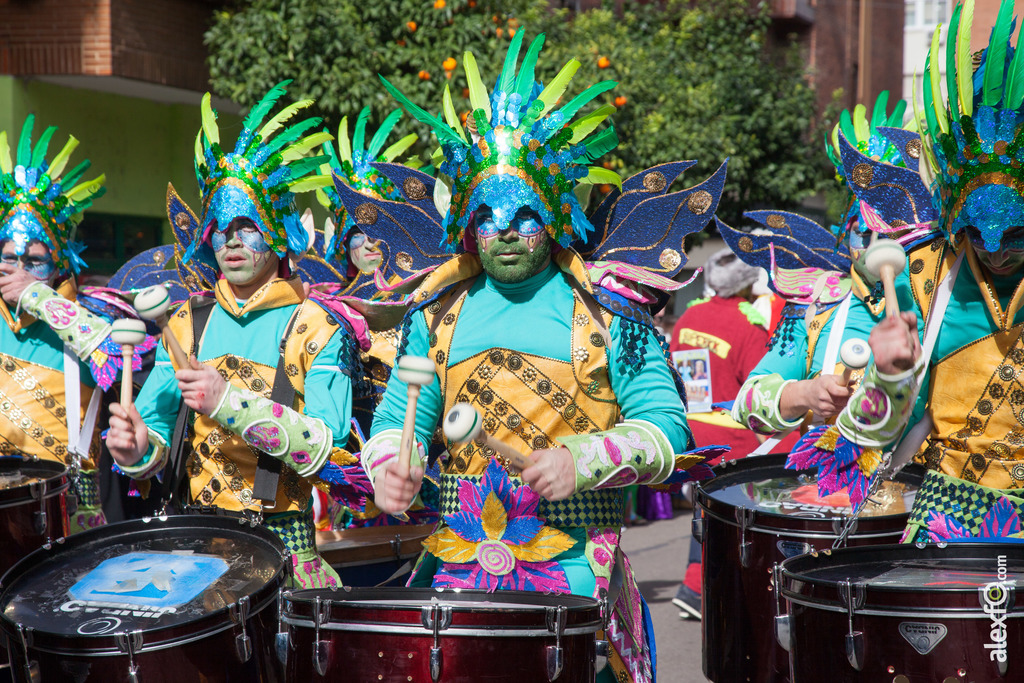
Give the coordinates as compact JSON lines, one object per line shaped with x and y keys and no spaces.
{"x":798,"y":533}
{"x":258,"y":600}
{"x":706,"y":502}
{"x":57,"y":481}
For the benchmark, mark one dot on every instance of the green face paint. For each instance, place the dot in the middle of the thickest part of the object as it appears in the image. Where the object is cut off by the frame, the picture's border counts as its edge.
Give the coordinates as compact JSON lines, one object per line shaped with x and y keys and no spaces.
{"x":242,"y":265}
{"x":508,"y":256}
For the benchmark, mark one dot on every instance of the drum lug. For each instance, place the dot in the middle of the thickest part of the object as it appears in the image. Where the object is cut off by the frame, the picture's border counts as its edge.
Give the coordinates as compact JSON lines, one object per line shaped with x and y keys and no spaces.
{"x":39,"y":519}
{"x":396,"y":547}
{"x":697,"y":529}
{"x":31,"y":666}
{"x":745,"y":517}
{"x":321,"y":648}
{"x":853,"y":597}
{"x":436,"y":618}
{"x":782,"y":623}
{"x":239,"y":613}
{"x":602,"y":651}
{"x":282,"y":640}
{"x":130,"y":644}
{"x":556,"y":624}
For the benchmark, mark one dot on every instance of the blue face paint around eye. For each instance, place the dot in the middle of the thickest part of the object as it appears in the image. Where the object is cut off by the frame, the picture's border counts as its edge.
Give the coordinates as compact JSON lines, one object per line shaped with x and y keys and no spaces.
{"x":525,"y":225}
{"x":39,"y":268}
{"x":357,"y":240}
{"x":249,"y":236}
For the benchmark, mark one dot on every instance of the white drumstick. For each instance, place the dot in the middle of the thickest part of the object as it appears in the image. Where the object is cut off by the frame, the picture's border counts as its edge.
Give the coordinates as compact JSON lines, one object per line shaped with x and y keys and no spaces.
{"x":885,"y":259}
{"x":855,"y":354}
{"x":128,"y":333}
{"x":415,"y":371}
{"x":463,"y":424}
{"x":152,"y":304}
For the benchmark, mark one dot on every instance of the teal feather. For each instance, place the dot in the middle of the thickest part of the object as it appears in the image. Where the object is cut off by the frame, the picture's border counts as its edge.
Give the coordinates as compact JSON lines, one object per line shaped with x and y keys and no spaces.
{"x":291,"y":134}
{"x":443,"y":132}
{"x":929,"y":110}
{"x":72,"y":177}
{"x":1014,"y":91}
{"x":381,"y":136}
{"x":601,"y":143}
{"x":306,"y":165}
{"x":508,"y":71}
{"x":995,"y":61}
{"x":896,"y":118}
{"x":524,"y":82}
{"x":878,"y":114}
{"x":359,"y":134}
{"x":263,"y":107}
{"x":25,"y":142}
{"x":332,"y":155}
{"x":576,"y":103}
{"x":954,"y":28}
{"x":39,"y":155}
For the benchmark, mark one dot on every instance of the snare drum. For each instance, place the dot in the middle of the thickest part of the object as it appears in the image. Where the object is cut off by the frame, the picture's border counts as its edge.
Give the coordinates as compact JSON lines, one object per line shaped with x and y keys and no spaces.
{"x":465,"y":636}
{"x":907,"y":614}
{"x":754,"y":514}
{"x":370,"y":556}
{"x":148,"y":601}
{"x":32,"y":506}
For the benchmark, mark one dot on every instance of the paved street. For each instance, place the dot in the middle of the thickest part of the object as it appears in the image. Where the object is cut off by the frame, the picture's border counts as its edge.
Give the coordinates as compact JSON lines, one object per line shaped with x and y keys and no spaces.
{"x":658,"y":553}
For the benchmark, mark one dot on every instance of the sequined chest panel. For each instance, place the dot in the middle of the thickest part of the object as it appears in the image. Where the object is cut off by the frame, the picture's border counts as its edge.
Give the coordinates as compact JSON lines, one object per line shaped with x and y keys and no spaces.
{"x":527,"y":401}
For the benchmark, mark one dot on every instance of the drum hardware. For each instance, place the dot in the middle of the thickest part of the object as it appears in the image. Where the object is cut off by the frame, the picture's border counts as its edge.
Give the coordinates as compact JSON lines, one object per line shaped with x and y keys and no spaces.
{"x":321,"y":648}
{"x":853,"y":597}
{"x":239,"y":613}
{"x":437,"y":618}
{"x":849,"y":525}
{"x":282,"y":639}
{"x":396,"y":547}
{"x":603,"y":649}
{"x":31,"y":666}
{"x":783,"y":634}
{"x":39,"y":521}
{"x":129,"y":644}
{"x":697,"y":529}
{"x":556,"y":656}
{"x":745,"y":517}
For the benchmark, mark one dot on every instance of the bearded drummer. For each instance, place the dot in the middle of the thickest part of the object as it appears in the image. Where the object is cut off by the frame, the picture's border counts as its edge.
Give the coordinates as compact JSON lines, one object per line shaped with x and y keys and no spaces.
{"x":268,"y":376}
{"x":969,"y":290}
{"x":513,"y":327}
{"x":55,"y":355}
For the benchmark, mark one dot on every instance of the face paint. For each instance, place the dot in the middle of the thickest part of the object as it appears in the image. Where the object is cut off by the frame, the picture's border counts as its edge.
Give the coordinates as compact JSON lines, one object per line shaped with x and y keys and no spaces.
{"x":510,"y":256}
{"x":527,"y":223}
{"x":34,"y":258}
{"x":244,"y":258}
{"x":1010,"y":256}
{"x":249,"y":234}
{"x":364,"y":252}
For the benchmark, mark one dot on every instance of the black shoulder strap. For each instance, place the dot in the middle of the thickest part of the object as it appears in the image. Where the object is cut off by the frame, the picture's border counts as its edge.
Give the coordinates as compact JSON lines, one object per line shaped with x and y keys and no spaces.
{"x":174,"y":472}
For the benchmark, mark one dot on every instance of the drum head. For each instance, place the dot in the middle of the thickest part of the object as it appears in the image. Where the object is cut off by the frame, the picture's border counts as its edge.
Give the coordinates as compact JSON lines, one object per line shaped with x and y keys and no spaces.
{"x":18,"y":474}
{"x":371,"y":544}
{"x":141,"y":575}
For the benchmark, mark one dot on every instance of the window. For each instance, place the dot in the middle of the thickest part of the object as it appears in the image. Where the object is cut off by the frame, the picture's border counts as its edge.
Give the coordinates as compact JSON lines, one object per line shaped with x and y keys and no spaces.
{"x":111,"y":240}
{"x":926,"y":14}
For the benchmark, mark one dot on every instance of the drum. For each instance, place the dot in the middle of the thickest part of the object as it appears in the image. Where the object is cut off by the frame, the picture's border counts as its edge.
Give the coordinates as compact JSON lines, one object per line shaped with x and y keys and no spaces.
{"x":32,"y":506}
{"x":754,"y":514}
{"x":412,"y":634}
{"x":158,"y":600}
{"x":907,"y":613}
{"x":370,"y":556}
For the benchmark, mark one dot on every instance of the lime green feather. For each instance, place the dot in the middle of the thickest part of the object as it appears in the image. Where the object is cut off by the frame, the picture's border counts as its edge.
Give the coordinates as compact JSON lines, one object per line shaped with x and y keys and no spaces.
{"x":525,"y":80}
{"x":200,"y":157}
{"x":6,"y":166}
{"x":322,"y":198}
{"x":25,"y":143}
{"x":477,"y":92}
{"x":964,"y":66}
{"x":507,"y":82}
{"x":933,"y":104}
{"x":42,"y":146}
{"x":344,"y":144}
{"x":995,"y":61}
{"x":61,"y":160}
{"x":210,"y":128}
{"x":860,"y":124}
{"x":381,"y":136}
{"x":598,"y":175}
{"x":299,"y":149}
{"x":86,"y":190}
{"x":310,"y":183}
{"x":398,"y":149}
{"x":583,"y":127}
{"x":450,"y":117}
{"x":443,"y":132}
{"x":263,"y":107}
{"x":550,"y":95}
{"x":282,"y":117}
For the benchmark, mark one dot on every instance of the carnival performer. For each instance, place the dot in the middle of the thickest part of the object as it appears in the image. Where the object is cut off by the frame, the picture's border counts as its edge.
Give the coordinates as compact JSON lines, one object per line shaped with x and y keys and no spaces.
{"x":516,"y":327}
{"x":969,"y":289}
{"x":268,"y":377}
{"x":56,"y":357}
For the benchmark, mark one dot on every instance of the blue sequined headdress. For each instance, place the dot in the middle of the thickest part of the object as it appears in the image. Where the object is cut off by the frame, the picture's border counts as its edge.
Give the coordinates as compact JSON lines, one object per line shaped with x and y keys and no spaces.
{"x":517,"y":150}
{"x":260,"y":177}
{"x":37,"y":203}
{"x":974,"y":141}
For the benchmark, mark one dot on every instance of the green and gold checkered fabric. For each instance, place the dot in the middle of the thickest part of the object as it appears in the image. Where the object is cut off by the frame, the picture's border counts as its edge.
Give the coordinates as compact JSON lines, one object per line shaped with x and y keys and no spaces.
{"x":87,"y":488}
{"x":295,"y":529}
{"x":962,"y":500}
{"x":590,"y":508}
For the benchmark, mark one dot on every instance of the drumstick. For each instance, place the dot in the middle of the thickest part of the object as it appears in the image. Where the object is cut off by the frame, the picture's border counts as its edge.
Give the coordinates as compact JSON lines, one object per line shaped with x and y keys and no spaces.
{"x":152,"y":304}
{"x":885,"y":259}
{"x":854,"y":354}
{"x":128,"y":333}
{"x":463,"y":424}
{"x":415,"y":371}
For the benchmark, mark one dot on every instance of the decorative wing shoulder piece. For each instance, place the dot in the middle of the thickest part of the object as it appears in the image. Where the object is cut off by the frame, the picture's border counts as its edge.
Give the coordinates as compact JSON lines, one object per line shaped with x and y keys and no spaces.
{"x":897,"y":194}
{"x":156,"y":266}
{"x":645,"y":227}
{"x":195,"y":275}
{"x":797,"y":242}
{"x":906,"y":142}
{"x":38,"y":201}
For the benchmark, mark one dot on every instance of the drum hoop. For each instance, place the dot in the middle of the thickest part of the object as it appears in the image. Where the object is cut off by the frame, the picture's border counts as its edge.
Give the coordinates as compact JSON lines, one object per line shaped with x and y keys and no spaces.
{"x":50,"y":493}
{"x":794,"y":533}
{"x":932,"y":612}
{"x":476,"y":631}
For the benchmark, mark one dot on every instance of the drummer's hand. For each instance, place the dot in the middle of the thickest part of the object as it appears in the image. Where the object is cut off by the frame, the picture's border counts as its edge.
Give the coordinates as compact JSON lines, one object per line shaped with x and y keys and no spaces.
{"x":824,"y":395}
{"x":396,"y":487}
{"x":128,"y":438}
{"x":201,"y":386}
{"x":894,"y":344}
{"x":553,"y":474}
{"x":13,"y":282}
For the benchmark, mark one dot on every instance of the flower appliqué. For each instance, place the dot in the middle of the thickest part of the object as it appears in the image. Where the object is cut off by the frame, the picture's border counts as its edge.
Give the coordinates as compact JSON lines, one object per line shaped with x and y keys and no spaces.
{"x":1001,"y":521}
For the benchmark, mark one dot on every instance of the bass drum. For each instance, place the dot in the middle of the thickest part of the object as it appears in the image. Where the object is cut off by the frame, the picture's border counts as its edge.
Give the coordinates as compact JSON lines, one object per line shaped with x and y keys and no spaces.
{"x":907,"y":614}
{"x":33,"y":506}
{"x":753,"y":515}
{"x":158,"y":600}
{"x":449,"y":636}
{"x":373,"y":556}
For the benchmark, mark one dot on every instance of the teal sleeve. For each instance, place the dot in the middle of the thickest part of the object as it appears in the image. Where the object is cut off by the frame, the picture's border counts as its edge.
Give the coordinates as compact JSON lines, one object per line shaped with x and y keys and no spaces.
{"x":328,"y":390}
{"x":159,"y":398}
{"x":649,"y":395}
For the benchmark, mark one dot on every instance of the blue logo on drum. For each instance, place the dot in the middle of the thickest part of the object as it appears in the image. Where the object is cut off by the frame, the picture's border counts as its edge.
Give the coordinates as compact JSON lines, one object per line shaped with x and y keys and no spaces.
{"x":149,"y":579}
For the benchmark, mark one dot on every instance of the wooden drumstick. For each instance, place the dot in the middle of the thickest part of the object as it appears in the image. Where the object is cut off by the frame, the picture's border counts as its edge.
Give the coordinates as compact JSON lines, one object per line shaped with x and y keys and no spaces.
{"x":415,"y":371}
{"x":128,"y":333}
{"x":463,"y":424}
{"x":854,"y":354}
{"x":885,"y":259}
{"x":152,"y":304}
